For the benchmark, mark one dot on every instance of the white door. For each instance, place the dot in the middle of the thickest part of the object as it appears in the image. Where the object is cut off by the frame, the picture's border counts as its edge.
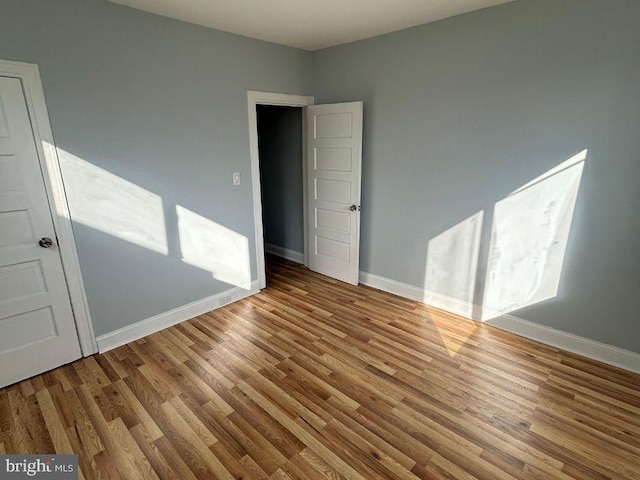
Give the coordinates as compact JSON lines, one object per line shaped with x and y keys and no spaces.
{"x":334,"y":158}
{"x":37,"y":327}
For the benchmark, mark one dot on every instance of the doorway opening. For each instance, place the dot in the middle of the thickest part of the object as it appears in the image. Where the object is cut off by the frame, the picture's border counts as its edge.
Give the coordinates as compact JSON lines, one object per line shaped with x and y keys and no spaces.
{"x":281,"y":157}
{"x":332,"y":146}
{"x":256,"y":100}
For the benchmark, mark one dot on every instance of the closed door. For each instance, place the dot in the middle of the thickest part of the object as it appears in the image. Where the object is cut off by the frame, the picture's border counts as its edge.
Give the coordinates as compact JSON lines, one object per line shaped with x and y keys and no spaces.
{"x":37,"y":327}
{"x":334,"y":158}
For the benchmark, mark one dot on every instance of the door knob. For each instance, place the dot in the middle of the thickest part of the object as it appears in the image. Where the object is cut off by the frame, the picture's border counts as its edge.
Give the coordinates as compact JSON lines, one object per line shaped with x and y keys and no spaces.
{"x":45,"y":242}
{"x":353,"y":208}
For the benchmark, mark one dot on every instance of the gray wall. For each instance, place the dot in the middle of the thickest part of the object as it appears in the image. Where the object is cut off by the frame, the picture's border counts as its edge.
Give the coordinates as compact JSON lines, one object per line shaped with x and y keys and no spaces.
{"x":461,"y":112}
{"x":458,"y":114}
{"x":280,"y":145}
{"x":161,"y":105}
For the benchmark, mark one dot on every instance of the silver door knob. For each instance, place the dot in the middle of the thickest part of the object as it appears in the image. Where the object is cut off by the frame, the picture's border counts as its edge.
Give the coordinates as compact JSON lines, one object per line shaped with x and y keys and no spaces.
{"x":354,"y":208}
{"x":45,"y":242}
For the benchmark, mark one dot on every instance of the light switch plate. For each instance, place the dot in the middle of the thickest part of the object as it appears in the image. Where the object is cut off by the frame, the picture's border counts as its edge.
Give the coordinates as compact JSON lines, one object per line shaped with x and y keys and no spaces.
{"x":236,"y":178}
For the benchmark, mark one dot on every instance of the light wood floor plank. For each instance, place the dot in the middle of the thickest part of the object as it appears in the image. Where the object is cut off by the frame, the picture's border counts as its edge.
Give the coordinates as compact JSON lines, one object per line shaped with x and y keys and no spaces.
{"x":315,"y":379}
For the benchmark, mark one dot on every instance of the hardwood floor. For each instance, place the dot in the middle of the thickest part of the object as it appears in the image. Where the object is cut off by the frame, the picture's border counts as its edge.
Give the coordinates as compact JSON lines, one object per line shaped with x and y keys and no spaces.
{"x":314,"y":379}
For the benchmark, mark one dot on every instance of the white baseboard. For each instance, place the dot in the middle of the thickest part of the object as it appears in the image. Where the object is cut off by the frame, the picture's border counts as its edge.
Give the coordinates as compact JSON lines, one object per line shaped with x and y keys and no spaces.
{"x":593,"y":349}
{"x":392,"y":286}
{"x":602,"y":352}
{"x":287,"y":253}
{"x":164,"y":320}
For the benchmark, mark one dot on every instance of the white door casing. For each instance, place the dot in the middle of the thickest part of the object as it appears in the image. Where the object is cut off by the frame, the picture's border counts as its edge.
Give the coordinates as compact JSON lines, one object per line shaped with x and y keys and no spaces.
{"x":334,"y":159}
{"x":37,"y":325}
{"x":253,"y":100}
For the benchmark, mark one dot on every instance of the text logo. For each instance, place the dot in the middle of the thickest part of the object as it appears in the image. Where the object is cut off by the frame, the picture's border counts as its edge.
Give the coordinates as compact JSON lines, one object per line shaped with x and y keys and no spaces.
{"x":51,"y":467}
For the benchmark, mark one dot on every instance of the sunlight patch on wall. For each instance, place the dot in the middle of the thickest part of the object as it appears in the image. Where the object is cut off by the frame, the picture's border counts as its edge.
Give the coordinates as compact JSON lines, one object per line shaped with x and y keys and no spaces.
{"x":214,"y":248}
{"x":106,"y":202}
{"x":529,"y":239}
{"x":452,"y":262}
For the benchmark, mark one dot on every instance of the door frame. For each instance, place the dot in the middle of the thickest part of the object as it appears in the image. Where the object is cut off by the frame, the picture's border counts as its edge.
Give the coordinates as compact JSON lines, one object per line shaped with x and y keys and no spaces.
{"x":278,"y":99}
{"x":29,"y":76}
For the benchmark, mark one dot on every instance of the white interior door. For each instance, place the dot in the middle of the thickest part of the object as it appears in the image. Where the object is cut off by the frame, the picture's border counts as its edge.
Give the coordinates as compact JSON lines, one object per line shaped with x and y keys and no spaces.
{"x":37,"y":327}
{"x":334,"y":159}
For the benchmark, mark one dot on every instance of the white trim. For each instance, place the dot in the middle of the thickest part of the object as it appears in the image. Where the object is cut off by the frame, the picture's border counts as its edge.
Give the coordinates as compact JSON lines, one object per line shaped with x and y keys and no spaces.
{"x":392,"y":286}
{"x":305,"y":194}
{"x":29,"y":75}
{"x":253,"y":100}
{"x":602,"y":352}
{"x":164,"y":320}
{"x":287,"y":253}
{"x":593,"y":349}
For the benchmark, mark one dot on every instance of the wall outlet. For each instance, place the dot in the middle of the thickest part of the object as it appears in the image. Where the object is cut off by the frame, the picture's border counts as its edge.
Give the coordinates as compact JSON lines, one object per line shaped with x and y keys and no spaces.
{"x":236,"y":178}
{"x":225,"y":299}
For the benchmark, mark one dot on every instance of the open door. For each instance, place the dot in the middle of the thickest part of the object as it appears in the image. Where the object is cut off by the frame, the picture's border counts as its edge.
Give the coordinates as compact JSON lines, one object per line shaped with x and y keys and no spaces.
{"x":37,"y":326}
{"x":334,"y":159}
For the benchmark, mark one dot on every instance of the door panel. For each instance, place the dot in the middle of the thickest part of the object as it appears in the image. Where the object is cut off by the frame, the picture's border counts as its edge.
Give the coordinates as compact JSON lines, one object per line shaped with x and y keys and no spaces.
{"x":328,"y":190}
{"x":333,"y":125}
{"x":333,"y":220}
{"x":334,"y":156}
{"x":37,"y":327}
{"x":333,"y":159}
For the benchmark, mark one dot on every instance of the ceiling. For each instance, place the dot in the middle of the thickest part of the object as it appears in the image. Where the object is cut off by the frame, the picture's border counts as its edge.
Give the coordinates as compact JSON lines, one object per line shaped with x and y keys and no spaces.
{"x":309,"y":24}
